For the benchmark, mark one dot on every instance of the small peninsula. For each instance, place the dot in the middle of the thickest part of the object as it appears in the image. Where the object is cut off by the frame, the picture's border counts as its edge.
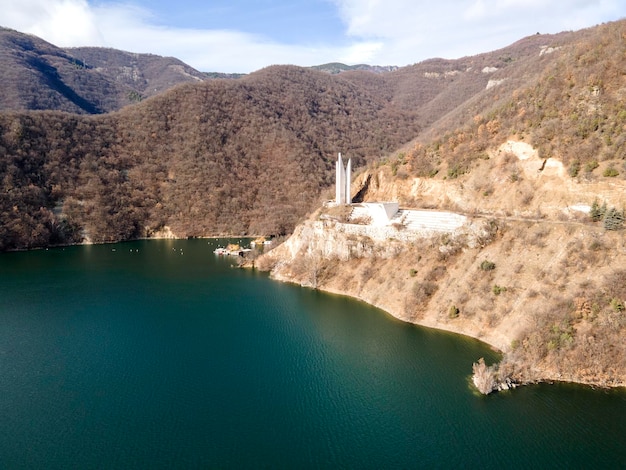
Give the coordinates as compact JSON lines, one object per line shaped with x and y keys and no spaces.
{"x":544,"y":284}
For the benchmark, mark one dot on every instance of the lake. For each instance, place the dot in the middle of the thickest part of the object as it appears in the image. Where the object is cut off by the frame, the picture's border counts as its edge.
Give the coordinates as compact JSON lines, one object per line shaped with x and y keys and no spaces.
{"x":159,"y":354}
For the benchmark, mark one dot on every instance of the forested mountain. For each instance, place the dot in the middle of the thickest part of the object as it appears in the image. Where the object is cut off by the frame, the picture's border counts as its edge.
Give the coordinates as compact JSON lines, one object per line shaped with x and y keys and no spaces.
{"x":37,"y":75}
{"x":249,"y":156}
{"x":218,"y":157}
{"x":145,"y":74}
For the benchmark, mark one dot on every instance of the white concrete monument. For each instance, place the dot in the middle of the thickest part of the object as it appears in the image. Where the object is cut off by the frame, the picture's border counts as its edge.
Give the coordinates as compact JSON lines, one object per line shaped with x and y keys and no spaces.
{"x":342,"y":184}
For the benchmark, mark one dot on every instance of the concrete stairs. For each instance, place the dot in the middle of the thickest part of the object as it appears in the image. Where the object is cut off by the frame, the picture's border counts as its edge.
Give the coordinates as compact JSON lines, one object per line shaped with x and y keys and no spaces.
{"x":415,"y":220}
{"x":436,"y":221}
{"x":359,"y":213}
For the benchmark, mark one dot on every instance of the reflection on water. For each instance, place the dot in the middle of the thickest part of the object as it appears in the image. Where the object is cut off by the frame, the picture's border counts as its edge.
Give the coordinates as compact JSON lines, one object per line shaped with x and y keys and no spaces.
{"x":159,"y":354}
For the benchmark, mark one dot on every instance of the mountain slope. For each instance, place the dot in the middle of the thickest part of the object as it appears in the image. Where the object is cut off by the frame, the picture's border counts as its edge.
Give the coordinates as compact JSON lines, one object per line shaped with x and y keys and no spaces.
{"x":238,"y":157}
{"x":253,"y":155}
{"x":337,"y":67}
{"x":37,"y":75}
{"x":446,"y":93}
{"x":146,"y":74}
{"x":538,"y":269}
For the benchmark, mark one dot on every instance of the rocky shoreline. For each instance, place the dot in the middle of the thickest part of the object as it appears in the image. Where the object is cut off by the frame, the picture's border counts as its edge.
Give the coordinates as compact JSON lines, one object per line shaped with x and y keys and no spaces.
{"x":498,"y":383}
{"x":485,"y":386}
{"x":438,"y":283}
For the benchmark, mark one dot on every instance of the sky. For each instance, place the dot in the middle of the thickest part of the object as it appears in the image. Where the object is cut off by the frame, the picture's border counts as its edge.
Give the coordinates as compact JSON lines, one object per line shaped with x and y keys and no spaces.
{"x":241,"y":36}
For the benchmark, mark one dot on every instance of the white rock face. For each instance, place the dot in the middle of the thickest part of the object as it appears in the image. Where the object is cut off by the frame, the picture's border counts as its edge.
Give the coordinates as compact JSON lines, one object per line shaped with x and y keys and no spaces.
{"x":586,"y":208}
{"x":548,"y":50}
{"x":330,"y":239}
{"x":492,"y":83}
{"x":521,"y":150}
{"x":533,"y":166}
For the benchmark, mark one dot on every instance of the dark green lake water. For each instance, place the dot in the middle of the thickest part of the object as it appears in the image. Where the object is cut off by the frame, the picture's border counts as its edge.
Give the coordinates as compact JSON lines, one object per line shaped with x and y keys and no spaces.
{"x":157,"y":354}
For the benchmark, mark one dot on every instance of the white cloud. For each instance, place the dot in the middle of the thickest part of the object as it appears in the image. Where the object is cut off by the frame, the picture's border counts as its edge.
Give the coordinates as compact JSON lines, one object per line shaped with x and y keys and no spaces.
{"x":389,"y":32}
{"x":361,"y":52}
{"x":60,"y":22}
{"x":413,"y":31}
{"x":68,"y":23}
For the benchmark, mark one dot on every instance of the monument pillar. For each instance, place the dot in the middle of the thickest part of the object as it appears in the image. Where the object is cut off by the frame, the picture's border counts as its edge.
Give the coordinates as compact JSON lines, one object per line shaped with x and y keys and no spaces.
{"x":339,"y":181}
{"x":347,"y":197}
{"x":343,"y":181}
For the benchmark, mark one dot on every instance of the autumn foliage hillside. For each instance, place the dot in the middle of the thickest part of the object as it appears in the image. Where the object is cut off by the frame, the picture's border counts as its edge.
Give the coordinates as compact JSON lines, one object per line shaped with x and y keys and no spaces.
{"x":221,"y":157}
{"x":253,"y":155}
{"x":572,"y":109}
{"x":37,"y":75}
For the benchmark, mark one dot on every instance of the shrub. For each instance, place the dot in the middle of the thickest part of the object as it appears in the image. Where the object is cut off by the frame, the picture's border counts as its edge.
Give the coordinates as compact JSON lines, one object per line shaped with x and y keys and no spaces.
{"x":497,"y":290}
{"x":487,"y":265}
{"x":453,"y":312}
{"x":488,"y":232}
{"x":412,"y":272}
{"x":484,"y":377}
{"x":610,"y":172}
{"x":421,"y":293}
{"x":561,"y":336}
{"x":574,"y":169}
{"x":590,"y":166}
{"x":614,"y":219}
{"x":616,"y":284}
{"x":436,"y":273}
{"x":617,"y":305}
{"x":596,"y":245}
{"x":455,"y":171}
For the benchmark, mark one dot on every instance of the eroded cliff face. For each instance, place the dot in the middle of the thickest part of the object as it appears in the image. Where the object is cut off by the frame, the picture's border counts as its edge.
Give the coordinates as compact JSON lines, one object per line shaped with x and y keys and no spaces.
{"x":512,"y":181}
{"x":547,"y":289}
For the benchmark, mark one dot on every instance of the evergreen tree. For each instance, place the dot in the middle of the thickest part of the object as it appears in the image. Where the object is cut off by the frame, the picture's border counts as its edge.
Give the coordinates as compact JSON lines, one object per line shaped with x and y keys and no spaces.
{"x":614,"y":219}
{"x":597,"y":212}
